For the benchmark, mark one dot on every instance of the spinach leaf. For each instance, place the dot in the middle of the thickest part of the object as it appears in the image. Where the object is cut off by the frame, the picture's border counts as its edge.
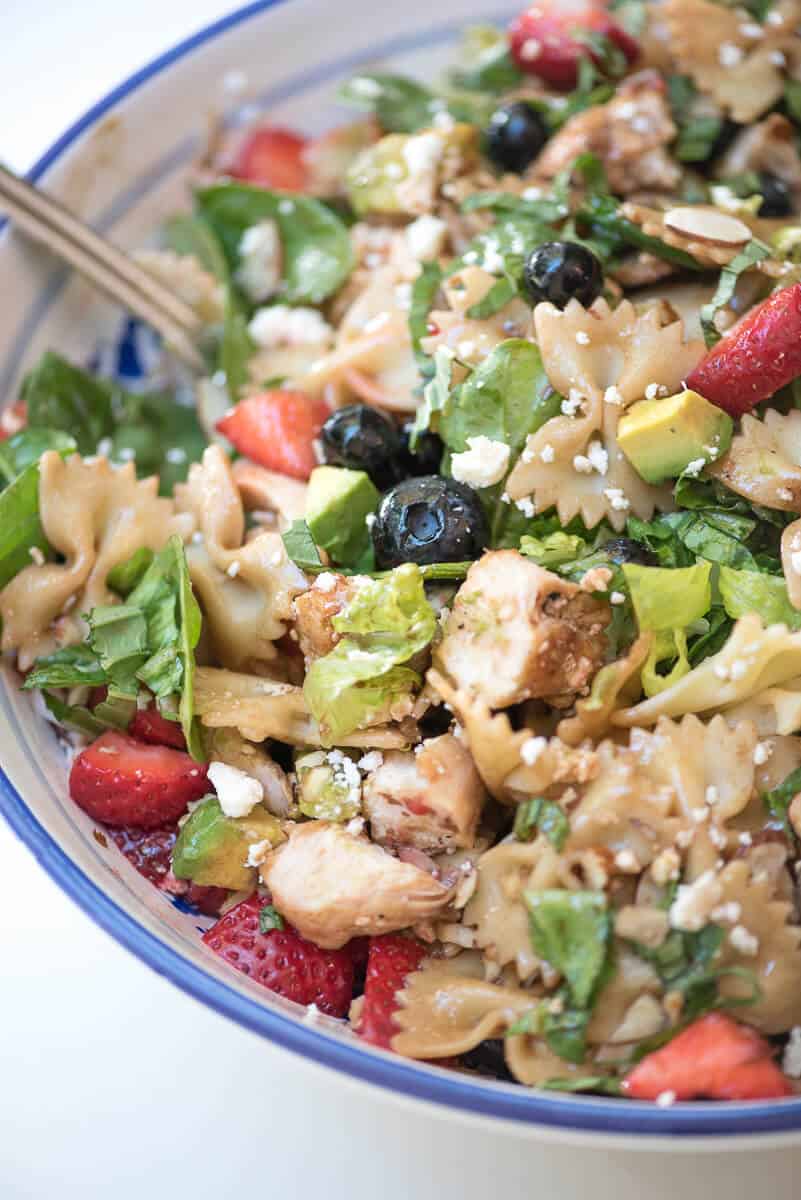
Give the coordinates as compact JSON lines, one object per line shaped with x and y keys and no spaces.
{"x":424,"y":292}
{"x":301,"y":547}
{"x":61,"y":396}
{"x":318,"y":256}
{"x":192,"y":235}
{"x":163,"y":434}
{"x":541,"y":816}
{"x":751,"y":254}
{"x":401,"y":105}
{"x":778,"y":801}
{"x":435,"y":397}
{"x":486,"y":64}
{"x":25,"y":448}
{"x":572,"y":932}
{"x":20,"y":528}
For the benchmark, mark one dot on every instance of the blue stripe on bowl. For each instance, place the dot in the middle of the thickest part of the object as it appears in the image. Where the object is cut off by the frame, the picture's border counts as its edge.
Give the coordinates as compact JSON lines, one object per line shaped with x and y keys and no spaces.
{"x":576,"y":1114}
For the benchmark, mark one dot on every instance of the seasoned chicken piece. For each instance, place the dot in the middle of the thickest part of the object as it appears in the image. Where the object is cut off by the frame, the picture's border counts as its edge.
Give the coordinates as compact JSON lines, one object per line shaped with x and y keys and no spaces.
{"x":430,"y":800}
{"x":229,"y":747}
{"x":333,"y":886}
{"x":767,"y":146}
{"x":630,"y":135}
{"x":517,"y":632}
{"x":315,"y":610}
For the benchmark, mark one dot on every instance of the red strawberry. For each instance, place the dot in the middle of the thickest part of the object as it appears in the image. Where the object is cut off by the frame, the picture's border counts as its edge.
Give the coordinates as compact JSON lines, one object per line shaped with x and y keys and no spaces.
{"x":282,"y":960}
{"x":544,"y":41}
{"x":150,"y":851}
{"x":277,"y":429}
{"x":272,"y":158}
{"x":761,"y":355}
{"x":97,"y":695}
{"x":390,"y":960}
{"x":715,"y":1058}
{"x":121,"y":782}
{"x":150,"y":726}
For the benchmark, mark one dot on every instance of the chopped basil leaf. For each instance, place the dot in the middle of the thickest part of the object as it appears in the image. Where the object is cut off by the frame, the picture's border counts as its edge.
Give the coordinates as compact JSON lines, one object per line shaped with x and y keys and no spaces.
{"x":778,"y":801}
{"x":751,"y":254}
{"x":541,"y":816}
{"x":572,"y":932}
{"x":301,"y":547}
{"x":269,"y":919}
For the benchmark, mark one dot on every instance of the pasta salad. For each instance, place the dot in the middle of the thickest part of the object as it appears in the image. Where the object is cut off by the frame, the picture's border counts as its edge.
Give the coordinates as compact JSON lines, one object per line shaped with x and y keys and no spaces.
{"x":442,"y":645}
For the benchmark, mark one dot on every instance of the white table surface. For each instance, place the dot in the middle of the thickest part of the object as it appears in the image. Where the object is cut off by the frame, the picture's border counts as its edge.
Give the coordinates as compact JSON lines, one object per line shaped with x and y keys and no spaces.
{"x":113,"y":1083}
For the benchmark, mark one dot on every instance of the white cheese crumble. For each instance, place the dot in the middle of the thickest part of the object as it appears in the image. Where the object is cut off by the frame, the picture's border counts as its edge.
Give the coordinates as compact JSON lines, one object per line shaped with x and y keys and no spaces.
{"x":695,"y":467}
{"x":598,"y":457}
{"x":257,"y":853}
{"x":626,"y":860}
{"x":233,"y":569}
{"x":613,"y":395}
{"x":547,"y":453}
{"x":422,"y":154}
{"x":617,"y":598}
{"x":370,"y":761}
{"x":729,"y":55}
{"x":730,"y":912}
{"x":531,"y":750}
{"x":237,"y":792}
{"x":484,"y":462}
{"x":617,"y":499}
{"x":791,"y":1062}
{"x":582,"y":464}
{"x":425,"y":237}
{"x":259,"y":271}
{"x":695,"y":901}
{"x":666,"y":1099}
{"x":582,"y":338}
{"x":573,"y":403}
{"x":281,"y":325}
{"x":762,"y":752}
{"x":326,"y":581}
{"x":526,"y":506}
{"x":744,"y":941}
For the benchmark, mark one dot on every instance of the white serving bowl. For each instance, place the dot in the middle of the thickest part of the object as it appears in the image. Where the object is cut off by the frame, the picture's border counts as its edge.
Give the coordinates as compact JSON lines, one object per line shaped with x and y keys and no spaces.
{"x":123,"y":166}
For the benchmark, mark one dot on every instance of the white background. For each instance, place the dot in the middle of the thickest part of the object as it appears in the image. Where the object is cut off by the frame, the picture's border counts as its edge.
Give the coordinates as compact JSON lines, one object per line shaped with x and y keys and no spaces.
{"x":114,"y":1084}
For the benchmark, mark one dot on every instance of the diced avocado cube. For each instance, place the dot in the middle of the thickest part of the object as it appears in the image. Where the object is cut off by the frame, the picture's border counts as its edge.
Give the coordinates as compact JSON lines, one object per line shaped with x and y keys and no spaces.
{"x":662,"y":438}
{"x":402,"y":173}
{"x":338,"y":503}
{"x":327,"y":791}
{"x":212,"y":849}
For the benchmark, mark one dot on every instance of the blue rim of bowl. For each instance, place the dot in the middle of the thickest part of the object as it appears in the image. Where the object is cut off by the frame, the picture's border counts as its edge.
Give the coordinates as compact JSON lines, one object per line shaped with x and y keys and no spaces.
{"x":576,"y":1114}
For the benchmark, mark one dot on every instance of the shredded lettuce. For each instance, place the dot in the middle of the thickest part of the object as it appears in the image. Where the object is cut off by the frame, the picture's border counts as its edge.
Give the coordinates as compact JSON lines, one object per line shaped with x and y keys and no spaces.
{"x":667,"y":602}
{"x":554,"y":550}
{"x":385,"y":625}
{"x":743,"y":592}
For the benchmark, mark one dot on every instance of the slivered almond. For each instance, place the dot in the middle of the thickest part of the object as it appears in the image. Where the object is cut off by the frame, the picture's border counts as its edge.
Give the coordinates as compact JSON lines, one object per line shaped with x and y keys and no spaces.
{"x":706,"y":224}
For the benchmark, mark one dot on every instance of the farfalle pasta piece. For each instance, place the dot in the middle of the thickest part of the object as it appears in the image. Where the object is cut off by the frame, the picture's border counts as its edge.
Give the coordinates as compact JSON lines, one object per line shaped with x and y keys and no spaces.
{"x":602,"y":360}
{"x":246,"y":591}
{"x":752,"y":660}
{"x":791,"y":562}
{"x":715,"y":45}
{"x":263,"y":708}
{"x":706,"y":253}
{"x":775,"y":711}
{"x":610,"y":691}
{"x":533,"y":1063}
{"x":763,"y":463}
{"x":472,"y":340}
{"x":771,"y":949}
{"x":95,"y":516}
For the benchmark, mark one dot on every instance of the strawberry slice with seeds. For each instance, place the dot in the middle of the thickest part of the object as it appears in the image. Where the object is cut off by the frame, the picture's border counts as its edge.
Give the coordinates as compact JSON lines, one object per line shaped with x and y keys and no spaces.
{"x":391,"y":958}
{"x":761,"y":355}
{"x":272,"y":157}
{"x":277,"y":429}
{"x":550,"y":40}
{"x":282,"y":960}
{"x":715,"y":1058}
{"x":120,"y":781}
{"x":148,"y":725}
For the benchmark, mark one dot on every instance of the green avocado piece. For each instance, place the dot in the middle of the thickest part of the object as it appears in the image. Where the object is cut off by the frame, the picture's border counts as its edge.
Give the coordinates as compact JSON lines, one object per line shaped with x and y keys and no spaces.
{"x":373,"y":177}
{"x":662,"y":438}
{"x":325,"y":792}
{"x":338,"y":503}
{"x":212,"y":849}
{"x":401,"y":173}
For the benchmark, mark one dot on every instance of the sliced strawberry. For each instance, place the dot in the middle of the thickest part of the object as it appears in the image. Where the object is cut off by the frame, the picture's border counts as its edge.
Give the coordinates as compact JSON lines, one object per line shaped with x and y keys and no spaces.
{"x":150,"y":726}
{"x":545,"y":40}
{"x":150,"y":851}
{"x":120,"y":782}
{"x":390,"y":960}
{"x":272,"y":158}
{"x":277,"y":429}
{"x":715,"y":1058}
{"x":761,"y":355}
{"x":282,"y":960}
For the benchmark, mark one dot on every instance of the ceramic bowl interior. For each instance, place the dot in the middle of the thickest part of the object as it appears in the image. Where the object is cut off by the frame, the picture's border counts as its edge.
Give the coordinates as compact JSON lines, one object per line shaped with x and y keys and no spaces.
{"x":123,"y":166}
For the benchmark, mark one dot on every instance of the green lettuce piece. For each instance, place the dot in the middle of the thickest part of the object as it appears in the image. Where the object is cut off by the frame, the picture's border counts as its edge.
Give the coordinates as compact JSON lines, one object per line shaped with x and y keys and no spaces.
{"x":666,"y":602}
{"x":572,"y":931}
{"x":25,"y":448}
{"x":317,"y":252}
{"x":743,"y":592}
{"x":554,"y":550}
{"x":386,"y":624}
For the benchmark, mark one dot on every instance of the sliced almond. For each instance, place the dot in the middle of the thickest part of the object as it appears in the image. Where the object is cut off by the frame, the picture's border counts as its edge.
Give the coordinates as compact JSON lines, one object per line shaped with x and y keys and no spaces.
{"x":706,"y":224}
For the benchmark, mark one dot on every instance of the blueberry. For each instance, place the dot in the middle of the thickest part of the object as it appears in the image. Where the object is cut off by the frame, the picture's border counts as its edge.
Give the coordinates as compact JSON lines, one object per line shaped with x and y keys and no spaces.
{"x":562,"y":271}
{"x":628,"y":550}
{"x":428,"y":520}
{"x":776,"y":198}
{"x":364,"y":439}
{"x":426,"y":459}
{"x":515,"y":135}
{"x":488,"y":1058}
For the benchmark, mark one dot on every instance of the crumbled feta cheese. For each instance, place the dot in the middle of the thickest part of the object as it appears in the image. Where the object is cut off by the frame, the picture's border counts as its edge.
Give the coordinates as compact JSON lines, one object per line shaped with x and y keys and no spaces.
{"x":547,"y":453}
{"x":613,"y":395}
{"x":626,"y":860}
{"x":237,"y":792}
{"x":598,"y":457}
{"x":744,"y":941}
{"x":695,"y":467}
{"x":711,"y":795}
{"x":746,"y":839}
{"x":718,"y":838}
{"x":425,"y":237}
{"x":694,"y":902}
{"x":665,"y":867}
{"x":484,"y":463}
{"x":784,"y":494}
{"x":176,"y":454}
{"x":493,"y":260}
{"x":466,"y":348}
{"x":422,"y":153}
{"x":573,"y":403}
{"x":750,"y":29}
{"x":666,"y":1099}
{"x":233,"y":569}
{"x":617,"y":598}
{"x":791,"y":1062}
{"x":532,"y":748}
{"x":370,"y":761}
{"x":257,"y":853}
{"x":259,"y":271}
{"x":762,"y":752}
{"x":582,"y":464}
{"x":652,"y":391}
{"x":583,"y":338}
{"x":326,"y":581}
{"x":617,"y":499}
{"x":37,"y":556}
{"x":729,"y":55}
{"x":778,"y":58}
{"x":729,"y":913}
{"x":526,"y":506}
{"x":281,"y":325}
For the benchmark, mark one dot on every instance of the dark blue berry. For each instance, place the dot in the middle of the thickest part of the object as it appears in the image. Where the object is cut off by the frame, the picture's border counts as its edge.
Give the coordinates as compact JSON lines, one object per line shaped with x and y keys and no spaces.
{"x":562,"y":271}
{"x":429,"y":520}
{"x":364,"y":439}
{"x":515,"y":136}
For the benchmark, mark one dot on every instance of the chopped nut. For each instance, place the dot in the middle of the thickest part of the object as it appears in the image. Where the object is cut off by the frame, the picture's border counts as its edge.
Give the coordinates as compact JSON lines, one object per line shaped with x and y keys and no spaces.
{"x":708,"y":224}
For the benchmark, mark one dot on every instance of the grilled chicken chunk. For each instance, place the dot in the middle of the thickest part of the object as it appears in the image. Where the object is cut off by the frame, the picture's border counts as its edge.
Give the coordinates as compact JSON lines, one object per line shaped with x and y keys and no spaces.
{"x":518,"y":632}
{"x":333,"y":886}
{"x":430,"y":800}
{"x":315,"y":610}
